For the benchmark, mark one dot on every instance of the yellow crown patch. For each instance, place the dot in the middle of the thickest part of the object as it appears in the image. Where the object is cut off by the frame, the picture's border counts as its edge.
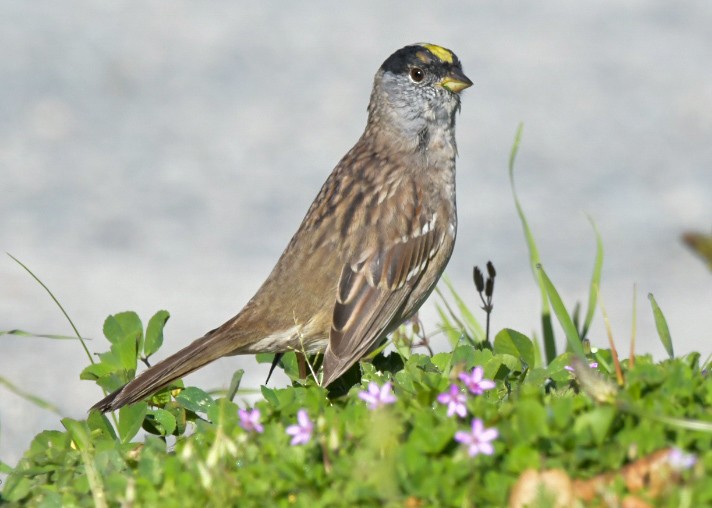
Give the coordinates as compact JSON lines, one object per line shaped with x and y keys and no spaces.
{"x":443,"y":54}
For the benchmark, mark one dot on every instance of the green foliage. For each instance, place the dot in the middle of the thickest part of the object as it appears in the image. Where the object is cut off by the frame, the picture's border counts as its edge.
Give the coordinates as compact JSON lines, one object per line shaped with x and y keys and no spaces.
{"x":572,"y":335}
{"x":129,"y":344}
{"x":356,"y":456}
{"x":515,"y":344}
{"x":662,"y":326}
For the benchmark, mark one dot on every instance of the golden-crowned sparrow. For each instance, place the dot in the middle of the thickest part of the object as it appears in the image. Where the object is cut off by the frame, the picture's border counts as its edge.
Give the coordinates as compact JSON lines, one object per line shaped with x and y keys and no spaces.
{"x":373,"y":243}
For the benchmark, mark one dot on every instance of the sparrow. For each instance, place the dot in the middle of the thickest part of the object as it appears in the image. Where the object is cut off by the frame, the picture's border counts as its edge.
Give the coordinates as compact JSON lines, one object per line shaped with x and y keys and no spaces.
{"x":372,"y":245}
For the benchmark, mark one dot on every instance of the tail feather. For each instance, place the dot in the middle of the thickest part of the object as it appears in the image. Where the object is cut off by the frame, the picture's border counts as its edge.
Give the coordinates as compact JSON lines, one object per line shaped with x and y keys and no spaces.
{"x":192,"y":357}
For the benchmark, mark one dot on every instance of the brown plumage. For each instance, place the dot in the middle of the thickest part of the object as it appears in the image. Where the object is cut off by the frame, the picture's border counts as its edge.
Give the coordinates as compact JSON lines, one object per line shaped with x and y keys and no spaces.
{"x":372,"y":245}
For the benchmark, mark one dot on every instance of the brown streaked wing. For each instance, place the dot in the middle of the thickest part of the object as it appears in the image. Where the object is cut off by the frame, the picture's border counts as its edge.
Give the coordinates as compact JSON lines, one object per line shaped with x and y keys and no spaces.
{"x":371,"y":294}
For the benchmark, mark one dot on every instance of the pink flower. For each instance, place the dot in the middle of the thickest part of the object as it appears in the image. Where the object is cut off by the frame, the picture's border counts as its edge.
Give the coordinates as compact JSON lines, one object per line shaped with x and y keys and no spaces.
{"x":593,"y":365}
{"x":301,"y":432}
{"x":679,"y":460}
{"x":376,"y":397}
{"x":475,"y":382}
{"x":250,"y":420}
{"x":479,"y":439}
{"x":455,"y":401}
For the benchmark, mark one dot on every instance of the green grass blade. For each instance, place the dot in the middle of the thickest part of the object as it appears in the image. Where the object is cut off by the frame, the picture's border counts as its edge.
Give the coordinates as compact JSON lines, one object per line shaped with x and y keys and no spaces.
{"x":572,"y":336}
{"x":595,"y":282}
{"x":37,"y":401}
{"x":673,"y":421}
{"x":662,"y":326}
{"x":451,"y":332}
{"x":452,"y":326}
{"x":235,"y":383}
{"x":634,"y":325}
{"x":470,"y":321}
{"x":64,"y":312}
{"x":538,"y":358}
{"x":548,"y":338}
{"x":71,"y":323}
{"x":23,"y":333}
{"x":534,"y":258}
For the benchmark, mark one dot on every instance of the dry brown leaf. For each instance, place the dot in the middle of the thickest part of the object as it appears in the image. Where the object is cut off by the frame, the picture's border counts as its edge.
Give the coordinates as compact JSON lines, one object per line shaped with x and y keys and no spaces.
{"x":652,"y":473}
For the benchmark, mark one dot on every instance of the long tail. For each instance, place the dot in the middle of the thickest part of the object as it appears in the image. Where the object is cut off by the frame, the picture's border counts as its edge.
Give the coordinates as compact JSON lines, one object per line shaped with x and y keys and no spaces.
{"x":200,"y":352}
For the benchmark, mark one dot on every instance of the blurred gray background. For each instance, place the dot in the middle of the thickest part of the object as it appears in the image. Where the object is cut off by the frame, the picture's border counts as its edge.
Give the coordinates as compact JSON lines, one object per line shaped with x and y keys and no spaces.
{"x":160,"y":155}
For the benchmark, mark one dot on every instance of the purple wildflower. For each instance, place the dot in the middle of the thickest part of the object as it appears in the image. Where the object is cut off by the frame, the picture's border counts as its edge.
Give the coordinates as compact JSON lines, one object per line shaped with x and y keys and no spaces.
{"x":455,"y":401}
{"x":302,"y":431}
{"x":475,"y":381}
{"x":376,"y":396}
{"x":479,"y":440}
{"x":250,"y":420}
{"x":679,"y":460}
{"x":593,"y":365}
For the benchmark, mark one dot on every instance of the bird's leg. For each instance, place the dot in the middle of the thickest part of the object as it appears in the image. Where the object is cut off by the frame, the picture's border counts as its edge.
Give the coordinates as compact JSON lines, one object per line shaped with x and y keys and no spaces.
{"x":302,"y":364}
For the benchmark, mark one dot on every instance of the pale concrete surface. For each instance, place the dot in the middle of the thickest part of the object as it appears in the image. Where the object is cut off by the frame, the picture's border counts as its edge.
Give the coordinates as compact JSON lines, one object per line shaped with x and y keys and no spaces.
{"x":160,"y":156}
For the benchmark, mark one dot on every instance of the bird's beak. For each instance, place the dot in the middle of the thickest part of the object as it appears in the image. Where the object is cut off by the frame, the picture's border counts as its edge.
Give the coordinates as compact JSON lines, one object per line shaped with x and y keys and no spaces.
{"x":455,"y":81}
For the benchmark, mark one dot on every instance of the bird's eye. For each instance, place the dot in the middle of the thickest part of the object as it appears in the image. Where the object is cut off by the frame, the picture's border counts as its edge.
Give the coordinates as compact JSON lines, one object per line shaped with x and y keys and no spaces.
{"x":417,"y":74}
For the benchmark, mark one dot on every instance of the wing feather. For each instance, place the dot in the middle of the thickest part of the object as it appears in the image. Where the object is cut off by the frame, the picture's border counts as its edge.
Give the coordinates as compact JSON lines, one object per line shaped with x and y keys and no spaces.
{"x":371,"y":297}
